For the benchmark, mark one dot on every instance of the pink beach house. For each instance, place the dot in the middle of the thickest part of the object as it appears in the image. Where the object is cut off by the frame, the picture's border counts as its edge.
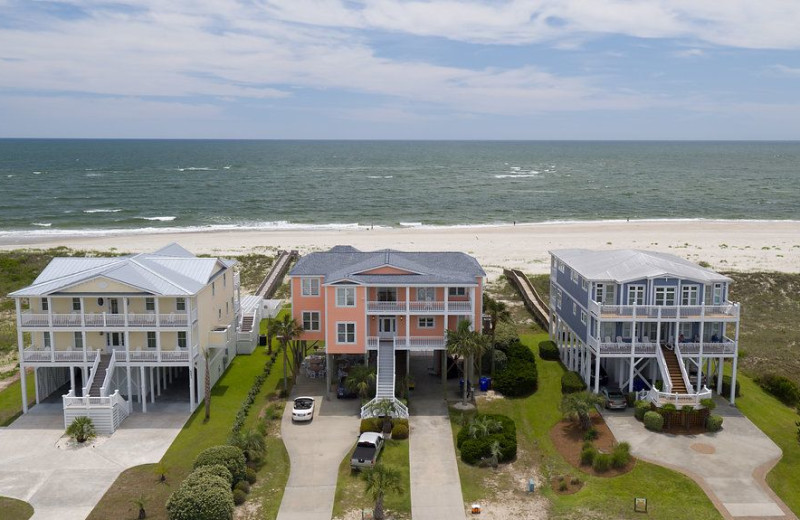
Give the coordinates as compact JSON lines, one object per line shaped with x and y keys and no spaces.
{"x":384,"y":305}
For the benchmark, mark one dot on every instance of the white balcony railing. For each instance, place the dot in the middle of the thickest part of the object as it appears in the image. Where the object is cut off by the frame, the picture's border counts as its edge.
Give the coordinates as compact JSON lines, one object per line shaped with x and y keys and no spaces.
{"x":720,"y":348}
{"x":152,"y":355}
{"x":728,"y":310}
{"x":416,"y":307}
{"x":410,"y":342}
{"x":35,"y":354}
{"x":679,"y":400}
{"x":619,"y":348}
{"x":106,"y":320}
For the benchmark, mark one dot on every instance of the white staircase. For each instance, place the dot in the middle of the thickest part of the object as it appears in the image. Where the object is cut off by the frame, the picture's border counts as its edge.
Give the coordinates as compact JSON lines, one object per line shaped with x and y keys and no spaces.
{"x":385,"y":382}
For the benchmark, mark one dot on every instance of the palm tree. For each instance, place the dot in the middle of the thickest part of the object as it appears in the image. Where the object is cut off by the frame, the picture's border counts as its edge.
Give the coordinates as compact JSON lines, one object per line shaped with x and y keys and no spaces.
{"x":252,"y":444}
{"x":385,"y":408}
{"x":360,"y":379}
{"x":465,"y":344}
{"x":578,"y":406}
{"x":497,"y":311}
{"x":286,"y":330}
{"x":82,"y":429}
{"x":380,"y":480}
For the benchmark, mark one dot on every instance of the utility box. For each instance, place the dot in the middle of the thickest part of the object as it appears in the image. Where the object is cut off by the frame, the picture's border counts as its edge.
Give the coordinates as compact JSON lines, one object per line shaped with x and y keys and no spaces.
{"x":531,"y":485}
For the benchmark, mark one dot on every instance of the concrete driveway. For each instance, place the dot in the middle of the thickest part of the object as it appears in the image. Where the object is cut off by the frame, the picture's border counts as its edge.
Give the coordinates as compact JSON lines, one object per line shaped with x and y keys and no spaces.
{"x":315,"y":450}
{"x":729,"y":465}
{"x":66,"y":484}
{"x":435,"y":483}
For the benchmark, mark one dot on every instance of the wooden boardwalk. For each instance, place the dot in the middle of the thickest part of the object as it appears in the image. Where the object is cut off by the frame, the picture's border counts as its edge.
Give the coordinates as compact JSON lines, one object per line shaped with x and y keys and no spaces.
{"x":275,"y":275}
{"x":533,"y":301}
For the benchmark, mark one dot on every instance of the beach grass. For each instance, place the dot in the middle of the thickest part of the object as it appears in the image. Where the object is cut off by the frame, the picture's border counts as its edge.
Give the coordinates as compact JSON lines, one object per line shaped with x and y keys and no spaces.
{"x":14,"y":509}
{"x":197,"y":435}
{"x":670,"y":494}
{"x":350,"y":494}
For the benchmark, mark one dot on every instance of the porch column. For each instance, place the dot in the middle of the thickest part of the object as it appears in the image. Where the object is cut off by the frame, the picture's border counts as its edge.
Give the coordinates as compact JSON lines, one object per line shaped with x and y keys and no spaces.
{"x":328,"y":371}
{"x":630,"y":374}
{"x":620,"y":375}
{"x":720,"y":366}
{"x":633,"y":351}
{"x":142,"y":389}
{"x":733,"y":380}
{"x":72,"y":378}
{"x":36,"y":382}
{"x":158,"y":380}
{"x":21,"y":349}
{"x":130,"y":388}
{"x":444,"y":369}
{"x":192,"y":396}
{"x":597,"y":373}
{"x":699,"y":373}
{"x":152,"y":393}
{"x":408,"y":317}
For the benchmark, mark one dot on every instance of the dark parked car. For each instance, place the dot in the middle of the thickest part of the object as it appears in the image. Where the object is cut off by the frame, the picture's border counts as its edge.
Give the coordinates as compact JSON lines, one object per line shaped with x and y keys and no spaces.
{"x":615,"y":399}
{"x":342,"y":391}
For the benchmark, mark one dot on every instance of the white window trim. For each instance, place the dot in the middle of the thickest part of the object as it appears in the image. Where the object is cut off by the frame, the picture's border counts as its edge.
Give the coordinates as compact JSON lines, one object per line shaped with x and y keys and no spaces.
{"x":185,"y":339}
{"x":308,"y":317}
{"x":631,"y":289}
{"x":154,"y":304}
{"x":691,"y":291}
{"x":344,"y":291}
{"x":308,"y":290}
{"x":583,"y":317}
{"x":574,"y":308}
{"x":346,"y":333}
{"x":560,"y":266}
{"x":457,"y":291}
{"x":178,"y":304}
{"x":147,"y":339}
{"x":45,"y":304}
{"x":665,"y":290}
{"x":559,"y":298}
{"x":426,"y":320}
{"x":77,"y":339}
{"x":584,"y":284}
{"x":78,"y":301}
{"x":428,"y":292}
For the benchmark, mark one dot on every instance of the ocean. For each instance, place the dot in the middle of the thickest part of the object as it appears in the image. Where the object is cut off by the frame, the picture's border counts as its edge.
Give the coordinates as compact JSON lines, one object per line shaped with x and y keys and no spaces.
{"x":102,"y":186}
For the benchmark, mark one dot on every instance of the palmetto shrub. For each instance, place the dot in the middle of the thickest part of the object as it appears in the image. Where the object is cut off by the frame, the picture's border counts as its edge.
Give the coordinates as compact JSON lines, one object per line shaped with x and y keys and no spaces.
{"x":82,"y":429}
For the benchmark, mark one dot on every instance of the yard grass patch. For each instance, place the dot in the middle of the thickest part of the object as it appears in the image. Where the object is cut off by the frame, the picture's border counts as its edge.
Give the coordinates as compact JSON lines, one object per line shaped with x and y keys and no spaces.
{"x":14,"y":509}
{"x":350,"y":487}
{"x":11,"y":401}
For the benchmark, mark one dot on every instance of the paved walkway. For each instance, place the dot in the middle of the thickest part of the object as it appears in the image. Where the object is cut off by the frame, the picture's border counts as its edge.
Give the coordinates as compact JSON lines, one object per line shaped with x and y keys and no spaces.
{"x":435,"y":484}
{"x":315,"y":450}
{"x":729,"y":465}
{"x":66,"y":484}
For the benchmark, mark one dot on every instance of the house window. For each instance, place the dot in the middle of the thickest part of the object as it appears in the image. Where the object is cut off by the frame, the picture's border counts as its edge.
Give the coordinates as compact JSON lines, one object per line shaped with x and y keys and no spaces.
{"x":561,"y":267}
{"x":685,"y":330}
{"x":665,"y":296}
{"x":311,"y":320}
{"x":182,"y":339}
{"x":718,"y":293}
{"x":151,"y":339}
{"x":149,"y":304}
{"x":310,"y":286}
{"x":426,"y":294}
{"x":78,"y":340}
{"x":76,"y":304}
{"x":345,"y":296}
{"x":690,"y":295}
{"x":180,"y":304}
{"x":584,"y":284}
{"x":559,"y":298}
{"x":599,"y":293}
{"x":47,"y":342}
{"x":219,"y":314}
{"x":224,"y":279}
{"x":45,"y":304}
{"x":213,"y":288}
{"x":574,"y":275}
{"x":227,"y":308}
{"x":426,"y":323}
{"x":457,"y":291}
{"x":387,"y":294}
{"x":626,"y":330}
{"x":346,"y":332}
{"x":574,"y":308}
{"x":583,"y":317}
{"x":636,"y":295}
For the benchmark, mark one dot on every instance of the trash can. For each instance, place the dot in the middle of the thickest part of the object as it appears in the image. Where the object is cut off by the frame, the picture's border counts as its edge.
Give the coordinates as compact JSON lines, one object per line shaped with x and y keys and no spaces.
{"x":262,"y":340}
{"x":531,"y":486}
{"x":484,"y":383}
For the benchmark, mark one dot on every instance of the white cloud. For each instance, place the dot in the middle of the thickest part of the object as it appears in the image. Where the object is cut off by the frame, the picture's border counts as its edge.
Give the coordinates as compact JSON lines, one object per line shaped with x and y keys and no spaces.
{"x":783,"y":70}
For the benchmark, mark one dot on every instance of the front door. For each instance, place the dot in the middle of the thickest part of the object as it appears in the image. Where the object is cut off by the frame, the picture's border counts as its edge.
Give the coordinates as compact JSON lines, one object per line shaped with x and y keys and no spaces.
{"x":387,"y":326}
{"x":113,"y":306}
{"x":115,"y":340}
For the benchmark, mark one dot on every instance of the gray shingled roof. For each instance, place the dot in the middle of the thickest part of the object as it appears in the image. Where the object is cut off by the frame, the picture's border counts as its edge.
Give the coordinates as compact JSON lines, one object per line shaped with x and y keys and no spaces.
{"x":347,"y":263}
{"x":625,"y":265}
{"x":170,"y":271}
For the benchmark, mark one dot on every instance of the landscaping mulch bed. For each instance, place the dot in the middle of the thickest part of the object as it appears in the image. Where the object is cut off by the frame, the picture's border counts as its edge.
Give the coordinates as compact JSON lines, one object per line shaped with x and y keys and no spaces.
{"x":566,"y":484}
{"x":568,"y":440}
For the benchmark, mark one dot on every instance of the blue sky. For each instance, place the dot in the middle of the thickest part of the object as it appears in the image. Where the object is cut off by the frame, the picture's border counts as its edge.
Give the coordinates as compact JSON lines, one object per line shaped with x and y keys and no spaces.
{"x":383,"y":69}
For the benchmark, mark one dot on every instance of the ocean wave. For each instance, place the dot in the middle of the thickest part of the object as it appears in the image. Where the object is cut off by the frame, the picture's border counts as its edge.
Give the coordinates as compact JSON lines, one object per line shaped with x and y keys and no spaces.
{"x":160,"y":219}
{"x":37,"y":173}
{"x":410,"y":224}
{"x":101,"y":210}
{"x":42,"y":224}
{"x":94,"y":175}
{"x":380,"y":176}
{"x":197,"y":169}
{"x":515,"y":175}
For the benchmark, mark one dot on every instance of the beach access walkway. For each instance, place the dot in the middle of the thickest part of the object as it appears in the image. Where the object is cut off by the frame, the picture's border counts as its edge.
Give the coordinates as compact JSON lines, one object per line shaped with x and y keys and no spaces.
{"x":730,"y":465}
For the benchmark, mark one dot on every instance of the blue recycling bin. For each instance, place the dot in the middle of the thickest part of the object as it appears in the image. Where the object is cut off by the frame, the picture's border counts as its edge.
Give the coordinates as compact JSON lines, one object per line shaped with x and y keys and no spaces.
{"x":484,"y":383}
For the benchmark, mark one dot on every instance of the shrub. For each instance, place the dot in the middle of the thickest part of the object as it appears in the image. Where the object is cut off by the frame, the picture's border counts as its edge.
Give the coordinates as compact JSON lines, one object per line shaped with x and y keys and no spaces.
{"x":81,"y":429}
{"x":549,"y":350}
{"x":203,"y":497}
{"x":653,"y":421}
{"x":571,"y":382}
{"x":500,"y":359}
{"x":591,"y":434}
{"x":400,"y":430}
{"x":217,"y":470}
{"x":726,"y":387}
{"x":708,"y":403}
{"x":239,"y":497}
{"x":242,"y":485}
{"x":373,"y":424}
{"x":252,"y":444}
{"x":781,"y":387}
{"x":641,"y":408}
{"x":473,"y":450}
{"x":621,"y":455}
{"x":669,"y":407}
{"x":587,"y":455}
{"x":229,"y":456}
{"x":505,"y":334}
{"x":602,"y":462}
{"x":517,"y":379}
{"x":518,"y":351}
{"x":251,"y":476}
{"x":714,"y":423}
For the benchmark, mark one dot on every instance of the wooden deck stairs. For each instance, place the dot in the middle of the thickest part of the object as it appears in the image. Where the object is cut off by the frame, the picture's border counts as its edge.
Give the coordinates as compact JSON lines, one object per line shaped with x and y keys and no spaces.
{"x":678,"y":386}
{"x":100,"y":376}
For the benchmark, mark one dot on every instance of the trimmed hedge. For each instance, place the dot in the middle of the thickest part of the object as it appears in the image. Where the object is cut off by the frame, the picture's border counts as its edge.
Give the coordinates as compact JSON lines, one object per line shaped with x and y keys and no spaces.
{"x":217,"y":470}
{"x":474,"y":449}
{"x":549,"y":350}
{"x":251,"y":476}
{"x":726,"y":387}
{"x":201,"y":497}
{"x":239,"y":497}
{"x":500,"y":359}
{"x":229,"y":456}
{"x":372,"y":424}
{"x":400,"y":430}
{"x":516,"y":350}
{"x":242,"y":485}
{"x":714,"y":423}
{"x":517,"y":379}
{"x":640,"y":408}
{"x":571,"y":382}
{"x":653,"y":421}
{"x":781,"y":387}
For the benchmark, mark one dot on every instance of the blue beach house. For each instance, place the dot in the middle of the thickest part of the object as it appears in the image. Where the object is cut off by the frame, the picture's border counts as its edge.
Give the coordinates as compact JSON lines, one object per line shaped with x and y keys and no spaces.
{"x":641,"y":320}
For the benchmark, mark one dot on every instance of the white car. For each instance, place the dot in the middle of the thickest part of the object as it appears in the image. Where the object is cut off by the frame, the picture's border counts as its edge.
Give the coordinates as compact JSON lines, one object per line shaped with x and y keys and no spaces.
{"x":303,"y":409}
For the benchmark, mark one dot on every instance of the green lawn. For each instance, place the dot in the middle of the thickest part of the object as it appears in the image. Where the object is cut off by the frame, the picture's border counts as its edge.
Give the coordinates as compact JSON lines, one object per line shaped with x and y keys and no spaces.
{"x":350,"y":486}
{"x":670,"y":494}
{"x":777,"y":421}
{"x":196,"y":435}
{"x":14,"y":509}
{"x":11,"y":401}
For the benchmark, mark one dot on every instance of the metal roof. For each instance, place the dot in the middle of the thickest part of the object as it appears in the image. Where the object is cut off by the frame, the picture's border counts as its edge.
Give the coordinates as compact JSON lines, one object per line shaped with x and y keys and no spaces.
{"x":170,"y":271}
{"x":347,"y":263}
{"x":625,"y":265}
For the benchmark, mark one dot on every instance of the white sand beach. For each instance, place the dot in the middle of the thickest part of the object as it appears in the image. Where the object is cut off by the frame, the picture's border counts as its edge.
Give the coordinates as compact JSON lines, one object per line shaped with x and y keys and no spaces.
{"x":725,"y":245}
